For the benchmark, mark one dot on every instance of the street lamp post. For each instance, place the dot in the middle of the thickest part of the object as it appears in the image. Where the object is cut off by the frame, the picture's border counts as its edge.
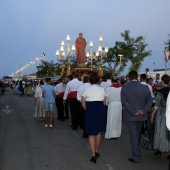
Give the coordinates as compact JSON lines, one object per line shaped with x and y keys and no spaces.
{"x":120,"y":55}
{"x":154,"y":65}
{"x":43,"y":57}
{"x":167,"y":56}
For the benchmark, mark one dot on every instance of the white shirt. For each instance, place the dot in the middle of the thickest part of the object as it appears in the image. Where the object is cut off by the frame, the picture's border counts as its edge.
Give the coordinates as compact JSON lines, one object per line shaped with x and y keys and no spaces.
{"x":109,"y":82}
{"x":156,"y":82}
{"x":94,"y":93}
{"x":59,"y":88}
{"x":105,"y":85}
{"x":168,"y":112}
{"x":150,"y":89}
{"x":81,"y":89}
{"x":147,"y":75}
{"x":72,"y":85}
{"x":38,"y":92}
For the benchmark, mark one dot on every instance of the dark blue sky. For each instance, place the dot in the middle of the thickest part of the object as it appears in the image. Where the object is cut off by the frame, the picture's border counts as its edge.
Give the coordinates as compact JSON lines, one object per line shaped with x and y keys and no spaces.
{"x":30,"y":27}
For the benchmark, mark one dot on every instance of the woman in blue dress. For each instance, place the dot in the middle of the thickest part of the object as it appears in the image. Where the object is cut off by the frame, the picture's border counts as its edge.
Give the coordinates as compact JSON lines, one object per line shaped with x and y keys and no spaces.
{"x":93,"y":101}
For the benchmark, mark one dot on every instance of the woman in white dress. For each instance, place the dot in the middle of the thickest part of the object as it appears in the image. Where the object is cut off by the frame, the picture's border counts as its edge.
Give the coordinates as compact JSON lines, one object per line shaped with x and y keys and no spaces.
{"x":114,"y":112}
{"x":39,"y":103}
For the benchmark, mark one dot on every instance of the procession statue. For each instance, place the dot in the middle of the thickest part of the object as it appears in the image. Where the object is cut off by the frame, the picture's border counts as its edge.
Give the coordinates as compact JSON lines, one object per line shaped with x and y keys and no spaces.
{"x":80,"y":45}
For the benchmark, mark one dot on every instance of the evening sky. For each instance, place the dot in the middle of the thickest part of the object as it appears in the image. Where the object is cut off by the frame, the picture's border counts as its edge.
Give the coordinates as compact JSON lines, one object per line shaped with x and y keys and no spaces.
{"x":30,"y":27}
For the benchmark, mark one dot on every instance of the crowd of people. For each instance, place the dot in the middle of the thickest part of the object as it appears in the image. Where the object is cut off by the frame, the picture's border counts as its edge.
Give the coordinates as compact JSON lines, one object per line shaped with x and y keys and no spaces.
{"x":25,"y":88}
{"x":95,"y":104}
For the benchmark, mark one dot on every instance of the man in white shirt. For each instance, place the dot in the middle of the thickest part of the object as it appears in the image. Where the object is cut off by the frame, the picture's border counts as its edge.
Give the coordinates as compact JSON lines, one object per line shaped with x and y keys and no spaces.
{"x":143,"y":78}
{"x":59,"y":91}
{"x":108,"y":77}
{"x":104,"y":83}
{"x":157,"y":81}
{"x":71,"y":90}
{"x":154,"y":89}
{"x":82,"y":111}
{"x":147,"y":73}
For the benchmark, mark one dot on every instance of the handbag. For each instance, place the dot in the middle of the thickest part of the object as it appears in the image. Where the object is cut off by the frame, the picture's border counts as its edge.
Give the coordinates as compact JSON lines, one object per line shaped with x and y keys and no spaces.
{"x":146,"y":144}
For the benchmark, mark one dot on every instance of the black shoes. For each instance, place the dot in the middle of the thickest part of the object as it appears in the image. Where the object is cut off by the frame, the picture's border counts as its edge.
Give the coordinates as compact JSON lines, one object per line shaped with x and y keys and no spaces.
{"x":97,"y":155}
{"x":157,"y":153}
{"x":93,"y":159}
{"x":67,"y":117}
{"x":131,"y":160}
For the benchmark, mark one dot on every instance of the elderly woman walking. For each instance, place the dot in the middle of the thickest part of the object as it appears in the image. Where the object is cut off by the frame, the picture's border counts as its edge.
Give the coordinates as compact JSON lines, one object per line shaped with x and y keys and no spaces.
{"x":161,"y":141}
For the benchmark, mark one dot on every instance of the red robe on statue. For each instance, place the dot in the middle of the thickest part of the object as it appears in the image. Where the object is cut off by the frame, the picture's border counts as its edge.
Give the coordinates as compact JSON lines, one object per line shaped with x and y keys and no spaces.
{"x":80,"y":45}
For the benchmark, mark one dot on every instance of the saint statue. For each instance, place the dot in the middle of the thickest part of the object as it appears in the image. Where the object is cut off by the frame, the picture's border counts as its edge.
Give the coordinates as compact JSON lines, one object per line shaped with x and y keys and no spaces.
{"x":80,"y":45}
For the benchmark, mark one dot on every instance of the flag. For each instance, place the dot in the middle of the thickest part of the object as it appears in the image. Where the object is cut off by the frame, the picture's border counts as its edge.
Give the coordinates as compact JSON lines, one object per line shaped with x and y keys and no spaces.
{"x":167,"y":55}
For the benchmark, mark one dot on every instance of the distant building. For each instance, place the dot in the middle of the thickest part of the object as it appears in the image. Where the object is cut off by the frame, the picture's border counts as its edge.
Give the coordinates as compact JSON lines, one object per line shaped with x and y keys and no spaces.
{"x":160,"y":71}
{"x":155,"y":71}
{"x":7,"y":78}
{"x":31,"y":76}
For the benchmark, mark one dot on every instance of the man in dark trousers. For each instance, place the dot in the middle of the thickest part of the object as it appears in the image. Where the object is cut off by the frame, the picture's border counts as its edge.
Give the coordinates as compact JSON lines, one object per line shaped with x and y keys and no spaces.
{"x":79,"y":97}
{"x":137,"y":100}
{"x":71,"y":89}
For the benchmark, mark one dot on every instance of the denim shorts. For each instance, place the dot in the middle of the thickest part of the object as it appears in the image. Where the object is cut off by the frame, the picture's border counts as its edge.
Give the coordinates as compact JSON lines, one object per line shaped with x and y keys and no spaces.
{"x":49,"y":107}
